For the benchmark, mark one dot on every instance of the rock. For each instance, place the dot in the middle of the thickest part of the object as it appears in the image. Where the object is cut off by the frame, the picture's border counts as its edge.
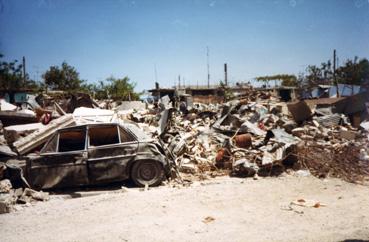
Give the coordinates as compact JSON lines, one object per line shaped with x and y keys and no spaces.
{"x":23,"y":199}
{"x":303,"y":173}
{"x":40,"y":196}
{"x":5,"y":186}
{"x":316,"y":123}
{"x":7,"y":201}
{"x":189,"y":168}
{"x":18,"y":192}
{"x":364,"y":155}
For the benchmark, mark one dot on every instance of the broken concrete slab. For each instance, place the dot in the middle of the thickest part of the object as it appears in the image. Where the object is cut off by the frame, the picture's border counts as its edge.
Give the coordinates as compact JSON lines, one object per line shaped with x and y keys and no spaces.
{"x":17,"y":117}
{"x":131,"y":105}
{"x":6,"y":151}
{"x":365,"y":125}
{"x":5,"y":106}
{"x":164,"y":119}
{"x":14,"y":132}
{"x":40,"y":196}
{"x":164,"y":102}
{"x":40,"y":136}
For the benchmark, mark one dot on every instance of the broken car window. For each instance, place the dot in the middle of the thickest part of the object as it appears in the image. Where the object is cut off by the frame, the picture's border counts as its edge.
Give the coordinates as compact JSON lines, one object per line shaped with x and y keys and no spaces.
{"x":125,"y":136}
{"x":51,"y":146}
{"x":103,"y":135}
{"x":72,"y":140}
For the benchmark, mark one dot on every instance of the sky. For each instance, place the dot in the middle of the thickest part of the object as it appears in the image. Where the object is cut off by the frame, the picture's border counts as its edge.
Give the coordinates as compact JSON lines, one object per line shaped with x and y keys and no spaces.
{"x":159,"y":40}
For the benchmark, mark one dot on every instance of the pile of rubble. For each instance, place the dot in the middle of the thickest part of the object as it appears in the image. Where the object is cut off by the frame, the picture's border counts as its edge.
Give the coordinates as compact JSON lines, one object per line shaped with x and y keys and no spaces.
{"x":253,"y":135}
{"x":261,"y":136}
{"x":15,"y":198}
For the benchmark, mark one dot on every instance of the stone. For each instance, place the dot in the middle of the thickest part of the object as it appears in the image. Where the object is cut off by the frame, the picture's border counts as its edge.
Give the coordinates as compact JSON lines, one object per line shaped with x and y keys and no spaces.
{"x":40,"y":196}
{"x":5,"y":186}
{"x":7,"y":201}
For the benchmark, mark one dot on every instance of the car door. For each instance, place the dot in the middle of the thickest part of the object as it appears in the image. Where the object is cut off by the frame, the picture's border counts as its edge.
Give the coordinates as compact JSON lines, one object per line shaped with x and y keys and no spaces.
{"x":110,"y":149}
{"x":62,"y":162}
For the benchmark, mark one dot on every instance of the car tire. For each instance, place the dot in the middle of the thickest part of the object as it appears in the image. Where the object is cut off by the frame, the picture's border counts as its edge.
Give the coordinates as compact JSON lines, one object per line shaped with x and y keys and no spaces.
{"x":148,"y":172}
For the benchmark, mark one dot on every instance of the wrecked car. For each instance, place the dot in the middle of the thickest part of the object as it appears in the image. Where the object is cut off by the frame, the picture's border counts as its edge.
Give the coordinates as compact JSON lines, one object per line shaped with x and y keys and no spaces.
{"x":95,"y":154}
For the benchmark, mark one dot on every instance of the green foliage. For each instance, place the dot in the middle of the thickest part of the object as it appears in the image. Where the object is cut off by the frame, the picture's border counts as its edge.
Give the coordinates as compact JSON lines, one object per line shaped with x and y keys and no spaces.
{"x":287,"y":80}
{"x":354,"y":72}
{"x":121,"y":89}
{"x":11,"y":77}
{"x":228,"y":94}
{"x":65,"y":78}
{"x":12,"y":80}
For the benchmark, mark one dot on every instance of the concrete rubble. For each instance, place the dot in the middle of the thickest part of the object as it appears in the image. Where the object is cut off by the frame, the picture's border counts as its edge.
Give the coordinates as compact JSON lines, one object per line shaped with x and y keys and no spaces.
{"x":250,"y":136}
{"x":12,"y":199}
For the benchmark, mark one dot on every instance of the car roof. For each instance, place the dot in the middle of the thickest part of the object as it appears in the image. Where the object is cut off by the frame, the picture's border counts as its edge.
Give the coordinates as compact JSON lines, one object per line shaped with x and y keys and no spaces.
{"x":141,"y":135}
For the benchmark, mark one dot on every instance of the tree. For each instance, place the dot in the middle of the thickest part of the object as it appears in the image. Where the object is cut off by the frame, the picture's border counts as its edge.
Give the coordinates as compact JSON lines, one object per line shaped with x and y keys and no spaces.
{"x":12,"y":80}
{"x":354,"y":72}
{"x":287,"y":80}
{"x":121,"y":89}
{"x":65,"y":78}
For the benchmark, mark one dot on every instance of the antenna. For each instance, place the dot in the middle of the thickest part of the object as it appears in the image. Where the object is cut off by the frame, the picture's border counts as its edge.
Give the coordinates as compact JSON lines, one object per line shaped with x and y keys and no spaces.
{"x":207,"y":60}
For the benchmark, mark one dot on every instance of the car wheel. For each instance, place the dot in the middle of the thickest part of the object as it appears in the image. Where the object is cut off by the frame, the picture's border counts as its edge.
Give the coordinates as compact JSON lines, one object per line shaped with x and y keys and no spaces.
{"x":147,"y":172}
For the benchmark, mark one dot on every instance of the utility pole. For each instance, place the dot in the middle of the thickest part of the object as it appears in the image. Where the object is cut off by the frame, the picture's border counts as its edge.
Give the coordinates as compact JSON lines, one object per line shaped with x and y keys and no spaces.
{"x":334,"y":73}
{"x":179,"y":81}
{"x":24,"y":71}
{"x":225,"y":74}
{"x":156,"y":73}
{"x":207,"y":60}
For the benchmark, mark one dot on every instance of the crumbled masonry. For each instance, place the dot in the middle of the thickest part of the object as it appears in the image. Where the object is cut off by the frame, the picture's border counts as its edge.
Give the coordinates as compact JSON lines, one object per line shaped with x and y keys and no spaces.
{"x":253,"y":135}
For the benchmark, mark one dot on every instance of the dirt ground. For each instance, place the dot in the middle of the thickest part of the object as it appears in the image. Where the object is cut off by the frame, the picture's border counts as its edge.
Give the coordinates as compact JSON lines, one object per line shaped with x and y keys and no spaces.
{"x":220,"y":209}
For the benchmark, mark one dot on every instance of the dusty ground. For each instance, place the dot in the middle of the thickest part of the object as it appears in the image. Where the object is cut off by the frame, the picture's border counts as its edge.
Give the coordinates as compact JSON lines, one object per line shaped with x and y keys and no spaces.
{"x":222,"y":209}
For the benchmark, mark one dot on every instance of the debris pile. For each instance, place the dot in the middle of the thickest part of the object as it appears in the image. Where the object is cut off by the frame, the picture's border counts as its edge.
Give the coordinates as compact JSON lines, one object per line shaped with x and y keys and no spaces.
{"x":253,"y":135}
{"x":261,"y":136}
{"x":13,"y":199}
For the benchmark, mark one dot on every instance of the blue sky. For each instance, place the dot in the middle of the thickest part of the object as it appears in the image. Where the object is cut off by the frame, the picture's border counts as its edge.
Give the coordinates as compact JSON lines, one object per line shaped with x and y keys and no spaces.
{"x":131,"y":37}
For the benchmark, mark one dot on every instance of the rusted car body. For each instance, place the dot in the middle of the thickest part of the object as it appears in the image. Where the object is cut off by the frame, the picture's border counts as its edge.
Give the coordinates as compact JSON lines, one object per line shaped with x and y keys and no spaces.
{"x":96,"y":154}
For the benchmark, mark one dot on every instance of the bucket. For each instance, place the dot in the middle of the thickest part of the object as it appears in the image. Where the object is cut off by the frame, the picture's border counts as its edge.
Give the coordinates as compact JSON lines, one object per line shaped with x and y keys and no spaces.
{"x":243,"y":140}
